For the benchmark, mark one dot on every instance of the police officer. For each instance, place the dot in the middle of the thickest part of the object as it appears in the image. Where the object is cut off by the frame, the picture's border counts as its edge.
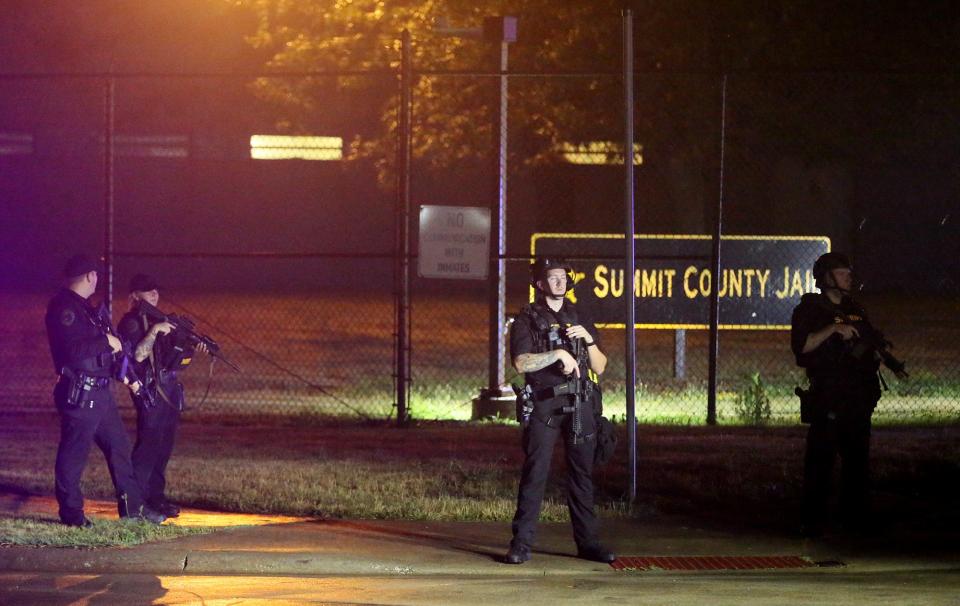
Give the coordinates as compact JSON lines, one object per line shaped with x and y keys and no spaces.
{"x":827,"y":336}
{"x":557,"y":347}
{"x":83,"y":356}
{"x":158,"y":358}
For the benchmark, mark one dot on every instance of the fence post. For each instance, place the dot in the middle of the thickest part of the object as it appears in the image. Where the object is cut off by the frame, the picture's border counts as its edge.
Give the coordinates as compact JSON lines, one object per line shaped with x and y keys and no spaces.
{"x":498,"y":279}
{"x":402,"y":251}
{"x":630,"y":253}
{"x":109,"y":94}
{"x":715,"y":265}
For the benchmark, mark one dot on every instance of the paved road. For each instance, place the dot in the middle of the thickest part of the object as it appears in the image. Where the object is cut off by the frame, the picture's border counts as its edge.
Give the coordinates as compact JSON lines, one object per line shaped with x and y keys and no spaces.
{"x":832,"y":587}
{"x":279,"y":560}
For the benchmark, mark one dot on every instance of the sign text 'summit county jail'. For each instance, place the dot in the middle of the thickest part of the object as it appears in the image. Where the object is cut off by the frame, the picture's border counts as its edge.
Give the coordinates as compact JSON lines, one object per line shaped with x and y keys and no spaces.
{"x":761,"y":278}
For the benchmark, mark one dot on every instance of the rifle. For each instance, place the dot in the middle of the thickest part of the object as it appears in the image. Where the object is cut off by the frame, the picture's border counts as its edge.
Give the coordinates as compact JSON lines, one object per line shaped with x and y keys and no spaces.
{"x":872,"y":340}
{"x":579,"y":353}
{"x":122,"y":367}
{"x":185,"y":328}
{"x":576,"y":403}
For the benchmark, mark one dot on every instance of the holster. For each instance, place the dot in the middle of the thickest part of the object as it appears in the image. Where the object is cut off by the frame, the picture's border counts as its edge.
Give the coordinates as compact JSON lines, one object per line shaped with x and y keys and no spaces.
{"x":166,"y":391}
{"x":79,"y":386}
{"x":606,"y":441}
{"x":812,"y":407}
{"x":74,"y":387}
{"x":524,"y":406}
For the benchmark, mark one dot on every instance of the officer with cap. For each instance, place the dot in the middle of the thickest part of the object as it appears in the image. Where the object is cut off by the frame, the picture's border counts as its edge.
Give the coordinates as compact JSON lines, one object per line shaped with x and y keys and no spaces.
{"x":158,"y":358}
{"x":83,"y":357}
{"x":826,"y":332}
{"x":558,"y":349}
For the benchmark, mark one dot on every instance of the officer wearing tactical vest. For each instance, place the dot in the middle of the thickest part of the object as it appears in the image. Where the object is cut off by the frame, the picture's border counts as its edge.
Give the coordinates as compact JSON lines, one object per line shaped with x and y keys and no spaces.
{"x":83,"y":351}
{"x":841,"y":351}
{"x":558,"y":350}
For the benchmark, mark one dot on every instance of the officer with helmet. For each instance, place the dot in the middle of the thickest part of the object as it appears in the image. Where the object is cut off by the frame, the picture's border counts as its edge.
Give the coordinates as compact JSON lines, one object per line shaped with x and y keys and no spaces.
{"x":828,"y":331}
{"x":557,"y":348}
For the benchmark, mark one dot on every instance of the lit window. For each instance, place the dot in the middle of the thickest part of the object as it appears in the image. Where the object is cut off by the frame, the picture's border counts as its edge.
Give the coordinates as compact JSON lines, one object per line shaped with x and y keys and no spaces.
{"x":280,"y":147}
{"x":15,"y":144}
{"x":598,"y":152}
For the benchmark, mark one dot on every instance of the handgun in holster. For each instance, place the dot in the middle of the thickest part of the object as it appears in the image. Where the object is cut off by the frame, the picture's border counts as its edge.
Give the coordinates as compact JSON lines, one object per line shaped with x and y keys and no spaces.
{"x":524,"y":403}
{"x":76,"y":388}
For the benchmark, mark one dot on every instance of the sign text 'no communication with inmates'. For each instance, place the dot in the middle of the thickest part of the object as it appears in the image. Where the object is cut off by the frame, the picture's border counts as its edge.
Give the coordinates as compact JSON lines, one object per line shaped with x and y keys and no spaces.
{"x":454,"y":242}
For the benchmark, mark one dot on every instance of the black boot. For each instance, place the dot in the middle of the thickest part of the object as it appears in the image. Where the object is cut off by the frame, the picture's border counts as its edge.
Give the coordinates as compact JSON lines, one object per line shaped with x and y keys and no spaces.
{"x":596,"y":553}
{"x":141,"y":512}
{"x":517,"y":554}
{"x":149,"y":515}
{"x":166,"y":508}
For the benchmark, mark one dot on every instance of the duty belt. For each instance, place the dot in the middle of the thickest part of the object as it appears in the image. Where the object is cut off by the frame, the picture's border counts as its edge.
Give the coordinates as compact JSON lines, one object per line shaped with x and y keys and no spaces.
{"x":95,"y":382}
{"x":87,"y":381}
{"x":574,"y":386}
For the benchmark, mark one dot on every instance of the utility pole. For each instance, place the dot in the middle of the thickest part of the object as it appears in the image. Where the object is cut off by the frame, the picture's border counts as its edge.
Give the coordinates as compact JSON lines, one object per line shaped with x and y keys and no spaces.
{"x":497,"y":397}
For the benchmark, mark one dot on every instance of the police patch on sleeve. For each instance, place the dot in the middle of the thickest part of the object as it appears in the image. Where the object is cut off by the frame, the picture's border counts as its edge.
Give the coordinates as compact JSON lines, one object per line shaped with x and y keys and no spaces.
{"x":67,"y":317}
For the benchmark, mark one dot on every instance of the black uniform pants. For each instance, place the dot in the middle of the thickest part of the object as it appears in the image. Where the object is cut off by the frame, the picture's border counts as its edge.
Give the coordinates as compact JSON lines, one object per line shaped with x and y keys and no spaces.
{"x":539,"y":438}
{"x":156,"y":433}
{"x":96,"y":421}
{"x":850,"y":439}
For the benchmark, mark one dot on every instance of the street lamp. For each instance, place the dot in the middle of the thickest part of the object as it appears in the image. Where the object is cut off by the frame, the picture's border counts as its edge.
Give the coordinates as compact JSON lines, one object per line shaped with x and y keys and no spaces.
{"x":501,"y":31}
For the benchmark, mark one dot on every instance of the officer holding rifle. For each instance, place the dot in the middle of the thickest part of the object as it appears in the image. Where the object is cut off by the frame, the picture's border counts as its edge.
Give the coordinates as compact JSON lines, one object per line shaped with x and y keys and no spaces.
{"x":86,"y":356}
{"x":558,"y":351}
{"x":841,"y":351}
{"x":160,"y":353}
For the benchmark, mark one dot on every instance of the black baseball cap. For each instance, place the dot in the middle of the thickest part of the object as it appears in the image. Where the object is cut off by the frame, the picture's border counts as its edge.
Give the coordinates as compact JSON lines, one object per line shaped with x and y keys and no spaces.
{"x":143,"y":283}
{"x":80,"y":264}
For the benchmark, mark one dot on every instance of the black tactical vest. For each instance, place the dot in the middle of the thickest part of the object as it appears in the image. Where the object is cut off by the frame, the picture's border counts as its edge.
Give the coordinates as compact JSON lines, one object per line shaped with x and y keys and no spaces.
{"x":549,"y":330}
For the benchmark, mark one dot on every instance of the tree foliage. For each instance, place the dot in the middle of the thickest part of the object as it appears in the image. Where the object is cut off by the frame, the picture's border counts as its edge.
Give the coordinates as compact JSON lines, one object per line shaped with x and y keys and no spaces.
{"x":453,"y":115}
{"x":803,"y":89}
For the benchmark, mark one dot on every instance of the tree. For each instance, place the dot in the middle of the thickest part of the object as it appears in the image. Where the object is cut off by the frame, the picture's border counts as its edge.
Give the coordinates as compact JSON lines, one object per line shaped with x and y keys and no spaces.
{"x":681,"y":48}
{"x":453,"y":114}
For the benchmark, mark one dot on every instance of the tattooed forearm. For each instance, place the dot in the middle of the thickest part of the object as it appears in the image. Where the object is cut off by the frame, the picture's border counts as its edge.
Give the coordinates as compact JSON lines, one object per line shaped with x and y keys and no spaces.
{"x":530,"y":362}
{"x":144,"y":347}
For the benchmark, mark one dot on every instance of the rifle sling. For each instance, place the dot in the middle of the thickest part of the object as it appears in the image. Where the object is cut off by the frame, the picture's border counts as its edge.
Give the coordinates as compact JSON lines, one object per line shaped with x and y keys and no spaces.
{"x":156,"y":375}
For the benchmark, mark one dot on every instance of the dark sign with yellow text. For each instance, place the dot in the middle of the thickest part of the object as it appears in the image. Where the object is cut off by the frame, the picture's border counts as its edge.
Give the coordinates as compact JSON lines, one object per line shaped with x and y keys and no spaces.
{"x":761,"y":278}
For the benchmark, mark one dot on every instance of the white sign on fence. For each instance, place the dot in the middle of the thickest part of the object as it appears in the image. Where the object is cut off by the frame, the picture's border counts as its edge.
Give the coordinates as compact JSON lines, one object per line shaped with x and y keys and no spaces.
{"x":454,"y":242}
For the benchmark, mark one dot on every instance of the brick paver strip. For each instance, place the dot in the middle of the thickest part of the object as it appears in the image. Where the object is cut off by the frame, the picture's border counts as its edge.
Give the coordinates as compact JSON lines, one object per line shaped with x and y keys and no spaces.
{"x":710,"y":562}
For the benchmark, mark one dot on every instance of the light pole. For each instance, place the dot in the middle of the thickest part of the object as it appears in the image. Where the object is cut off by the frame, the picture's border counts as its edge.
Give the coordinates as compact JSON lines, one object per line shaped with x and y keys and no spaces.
{"x":504,"y":31}
{"x":493,"y":399}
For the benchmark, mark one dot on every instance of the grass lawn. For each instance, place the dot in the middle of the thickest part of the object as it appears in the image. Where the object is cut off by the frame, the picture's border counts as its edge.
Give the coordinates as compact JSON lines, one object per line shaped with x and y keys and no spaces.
{"x":469,"y":471}
{"x":46,"y":531}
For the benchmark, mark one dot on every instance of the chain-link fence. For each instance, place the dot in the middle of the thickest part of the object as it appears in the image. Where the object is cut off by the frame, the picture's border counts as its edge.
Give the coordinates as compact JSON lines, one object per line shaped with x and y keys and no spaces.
{"x":276,"y":245}
{"x":857,"y":158}
{"x":284,"y":249}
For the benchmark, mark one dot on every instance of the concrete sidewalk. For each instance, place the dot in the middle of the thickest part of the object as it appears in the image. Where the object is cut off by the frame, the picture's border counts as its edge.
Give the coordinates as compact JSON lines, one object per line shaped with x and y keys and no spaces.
{"x":282,"y":545}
